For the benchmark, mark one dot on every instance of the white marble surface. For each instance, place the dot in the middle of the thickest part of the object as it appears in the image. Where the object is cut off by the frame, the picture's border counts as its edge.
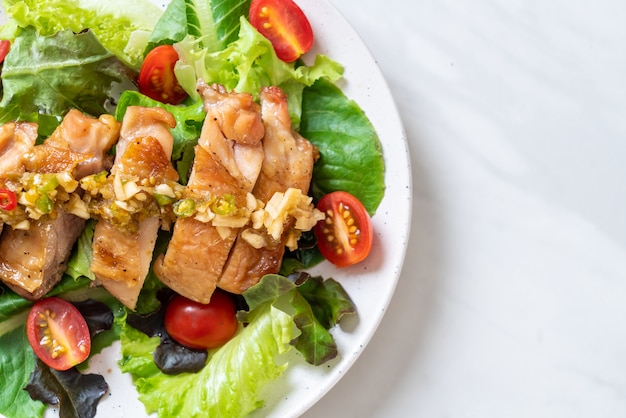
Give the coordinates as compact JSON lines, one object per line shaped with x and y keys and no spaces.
{"x":512,"y":302}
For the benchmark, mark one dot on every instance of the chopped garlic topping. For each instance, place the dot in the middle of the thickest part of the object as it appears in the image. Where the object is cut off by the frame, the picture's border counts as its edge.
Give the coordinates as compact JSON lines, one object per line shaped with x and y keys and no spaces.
{"x":23,"y":225}
{"x":165,"y":190}
{"x":254,"y":238}
{"x":224,"y":231}
{"x":123,"y":198}
{"x":125,"y":188}
{"x":282,"y":205}
{"x":78,"y":207}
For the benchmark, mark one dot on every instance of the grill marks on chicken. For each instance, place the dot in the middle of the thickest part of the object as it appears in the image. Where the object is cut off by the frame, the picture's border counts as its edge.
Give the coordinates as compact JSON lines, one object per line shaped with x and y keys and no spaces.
{"x":228,"y":159}
{"x":32,"y":261}
{"x":121,"y":258}
{"x":288,"y":162}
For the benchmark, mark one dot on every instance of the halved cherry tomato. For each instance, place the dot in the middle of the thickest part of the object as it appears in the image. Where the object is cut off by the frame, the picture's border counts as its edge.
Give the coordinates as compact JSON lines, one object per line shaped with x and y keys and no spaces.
{"x":202,"y":326}
{"x":8,"y":199}
{"x":58,"y":333}
{"x":285,"y":25}
{"x":345,"y":236}
{"x":5,"y":46}
{"x":156,"y":76}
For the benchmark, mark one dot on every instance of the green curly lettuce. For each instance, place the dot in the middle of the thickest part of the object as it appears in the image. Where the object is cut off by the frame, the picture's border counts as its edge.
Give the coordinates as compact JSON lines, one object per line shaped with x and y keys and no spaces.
{"x":123,"y":27}
{"x":228,"y":386}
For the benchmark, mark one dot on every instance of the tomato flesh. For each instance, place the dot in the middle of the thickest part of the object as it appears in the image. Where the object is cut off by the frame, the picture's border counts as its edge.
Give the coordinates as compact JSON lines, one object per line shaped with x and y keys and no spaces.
{"x":156,"y":76}
{"x":345,"y":237}
{"x":202,"y":326}
{"x":58,"y":333}
{"x":285,"y":25}
{"x":5,"y":46}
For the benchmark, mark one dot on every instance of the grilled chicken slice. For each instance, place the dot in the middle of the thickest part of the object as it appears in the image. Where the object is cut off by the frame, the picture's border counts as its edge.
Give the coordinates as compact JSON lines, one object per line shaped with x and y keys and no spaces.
{"x":32,"y":261}
{"x":17,"y":139}
{"x":288,"y":163}
{"x":227,"y":161}
{"x":78,"y":145}
{"x":232,"y":132}
{"x":121,"y":258}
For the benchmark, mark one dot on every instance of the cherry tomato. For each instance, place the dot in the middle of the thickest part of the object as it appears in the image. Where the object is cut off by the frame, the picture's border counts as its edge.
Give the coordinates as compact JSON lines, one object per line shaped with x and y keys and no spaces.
{"x":285,"y":25}
{"x":8,"y":199}
{"x":156,"y":76}
{"x":345,"y":236}
{"x":202,"y":326}
{"x":58,"y":333}
{"x":4,"y":49}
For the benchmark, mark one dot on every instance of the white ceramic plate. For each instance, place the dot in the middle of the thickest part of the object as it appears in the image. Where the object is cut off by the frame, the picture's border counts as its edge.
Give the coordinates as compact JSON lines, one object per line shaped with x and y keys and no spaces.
{"x":370,"y":284}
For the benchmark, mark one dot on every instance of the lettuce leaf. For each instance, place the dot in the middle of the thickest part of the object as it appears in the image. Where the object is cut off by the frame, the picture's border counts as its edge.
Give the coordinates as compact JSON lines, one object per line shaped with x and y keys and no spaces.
{"x":122,"y":26}
{"x":47,"y":75}
{"x":316,"y":305}
{"x":229,"y":385}
{"x":16,"y":362}
{"x":214,"y":24}
{"x":349,"y":147}
{"x":247,"y":64}
{"x":283,"y":313}
{"x":77,"y":395}
{"x":79,"y":264}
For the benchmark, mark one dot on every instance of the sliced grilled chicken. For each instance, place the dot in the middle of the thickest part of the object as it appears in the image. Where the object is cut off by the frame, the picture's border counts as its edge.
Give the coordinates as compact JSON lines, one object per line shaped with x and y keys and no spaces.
{"x":288,"y":163}
{"x":17,"y":139}
{"x":122,"y":257}
{"x":227,"y":162}
{"x":32,"y":261}
{"x":80,"y":139}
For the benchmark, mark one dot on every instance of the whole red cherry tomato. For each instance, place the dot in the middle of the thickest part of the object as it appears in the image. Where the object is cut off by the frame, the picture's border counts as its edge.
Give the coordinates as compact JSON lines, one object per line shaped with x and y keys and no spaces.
{"x":202,"y":326}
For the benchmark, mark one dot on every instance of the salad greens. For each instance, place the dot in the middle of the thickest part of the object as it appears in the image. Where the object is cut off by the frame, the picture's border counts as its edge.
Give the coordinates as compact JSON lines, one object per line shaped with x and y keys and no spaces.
{"x":85,"y":69}
{"x":17,"y":360}
{"x":216,"y":42}
{"x":76,"y":394}
{"x":350,"y":153}
{"x":213,"y":24}
{"x":44,"y":76}
{"x":218,"y":390}
{"x":249,"y":63}
{"x":121,"y":26}
{"x":283,"y":314}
